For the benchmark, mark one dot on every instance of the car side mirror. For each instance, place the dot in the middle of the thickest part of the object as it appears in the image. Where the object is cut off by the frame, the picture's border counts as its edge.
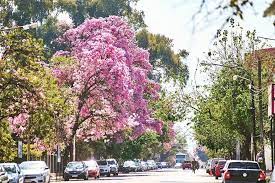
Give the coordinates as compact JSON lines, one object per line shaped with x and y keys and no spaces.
{"x":222,"y":171}
{"x":46,"y":168}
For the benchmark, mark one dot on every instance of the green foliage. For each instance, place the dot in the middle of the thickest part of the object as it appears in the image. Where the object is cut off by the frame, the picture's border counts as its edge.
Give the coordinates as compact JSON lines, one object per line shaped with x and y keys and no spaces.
{"x":27,"y":86}
{"x":19,"y":68}
{"x":80,"y":10}
{"x":163,"y":58}
{"x":7,"y":144}
{"x":225,"y":114}
{"x":24,"y":12}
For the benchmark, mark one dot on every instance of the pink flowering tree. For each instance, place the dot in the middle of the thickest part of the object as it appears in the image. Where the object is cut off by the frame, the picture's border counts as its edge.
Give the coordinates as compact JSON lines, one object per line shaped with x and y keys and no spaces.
{"x":107,"y":75}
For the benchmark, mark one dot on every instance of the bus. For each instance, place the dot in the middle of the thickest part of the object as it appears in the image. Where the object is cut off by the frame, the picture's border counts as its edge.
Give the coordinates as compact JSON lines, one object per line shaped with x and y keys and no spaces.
{"x":180,"y":157}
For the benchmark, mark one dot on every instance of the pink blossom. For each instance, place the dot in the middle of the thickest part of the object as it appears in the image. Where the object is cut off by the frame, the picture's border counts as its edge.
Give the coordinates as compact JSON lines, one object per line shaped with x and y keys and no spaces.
{"x":109,"y":79}
{"x":19,"y":123}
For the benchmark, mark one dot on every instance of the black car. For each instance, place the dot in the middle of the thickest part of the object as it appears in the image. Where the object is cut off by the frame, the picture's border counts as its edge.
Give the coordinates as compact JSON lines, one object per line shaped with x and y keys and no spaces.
{"x":76,"y":170}
{"x":238,"y":171}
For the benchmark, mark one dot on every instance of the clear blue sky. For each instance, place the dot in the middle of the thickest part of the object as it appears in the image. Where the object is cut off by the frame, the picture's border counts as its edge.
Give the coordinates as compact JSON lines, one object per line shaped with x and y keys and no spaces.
{"x":173,"y":18}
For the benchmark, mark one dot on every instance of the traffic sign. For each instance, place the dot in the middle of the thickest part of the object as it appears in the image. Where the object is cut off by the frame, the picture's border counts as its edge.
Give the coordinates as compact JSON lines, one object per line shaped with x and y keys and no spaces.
{"x":20,"y":149}
{"x":58,"y":154}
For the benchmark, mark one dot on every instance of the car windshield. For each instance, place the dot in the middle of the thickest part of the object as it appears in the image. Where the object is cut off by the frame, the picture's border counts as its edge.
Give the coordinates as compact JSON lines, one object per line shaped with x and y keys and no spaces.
{"x":243,"y":165}
{"x":111,"y":162}
{"x":129,"y":163}
{"x":32,"y":165}
{"x":102,"y":162}
{"x":10,"y":168}
{"x":91,"y":163}
{"x":75,"y":165}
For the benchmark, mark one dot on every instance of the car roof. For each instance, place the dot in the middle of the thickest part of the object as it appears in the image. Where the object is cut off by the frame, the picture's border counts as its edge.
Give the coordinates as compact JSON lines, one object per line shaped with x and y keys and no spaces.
{"x":8,"y":163}
{"x":244,"y":161}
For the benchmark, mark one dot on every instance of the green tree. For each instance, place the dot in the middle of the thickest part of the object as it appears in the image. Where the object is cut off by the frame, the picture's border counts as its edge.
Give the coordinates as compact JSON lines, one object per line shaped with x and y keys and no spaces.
{"x":167,"y":64}
{"x":28,"y":87}
{"x":225,"y":113}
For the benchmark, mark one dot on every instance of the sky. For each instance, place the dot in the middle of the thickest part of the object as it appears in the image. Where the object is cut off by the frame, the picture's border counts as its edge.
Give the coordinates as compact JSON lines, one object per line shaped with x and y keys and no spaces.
{"x":173,"y":18}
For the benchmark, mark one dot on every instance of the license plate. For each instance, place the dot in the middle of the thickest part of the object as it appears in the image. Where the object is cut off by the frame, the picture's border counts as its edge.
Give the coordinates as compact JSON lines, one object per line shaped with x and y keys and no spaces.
{"x":74,"y":175}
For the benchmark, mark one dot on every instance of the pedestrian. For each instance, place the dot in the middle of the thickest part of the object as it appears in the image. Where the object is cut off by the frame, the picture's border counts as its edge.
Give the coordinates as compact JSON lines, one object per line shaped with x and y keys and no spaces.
{"x":217,"y":170}
{"x":194,"y":165}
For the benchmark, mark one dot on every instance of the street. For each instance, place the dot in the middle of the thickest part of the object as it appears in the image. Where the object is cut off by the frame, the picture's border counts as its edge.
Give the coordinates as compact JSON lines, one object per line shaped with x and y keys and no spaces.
{"x":158,"y":176}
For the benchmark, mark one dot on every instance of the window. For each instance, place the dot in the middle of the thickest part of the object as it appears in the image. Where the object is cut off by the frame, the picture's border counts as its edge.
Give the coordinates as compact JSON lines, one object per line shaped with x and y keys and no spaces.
{"x":102,"y":162}
{"x":180,"y":156}
{"x":244,"y":165}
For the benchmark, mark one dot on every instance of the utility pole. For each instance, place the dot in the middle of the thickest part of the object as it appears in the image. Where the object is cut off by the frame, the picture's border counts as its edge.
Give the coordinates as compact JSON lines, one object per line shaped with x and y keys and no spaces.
{"x":253,"y":115}
{"x":261,"y":125}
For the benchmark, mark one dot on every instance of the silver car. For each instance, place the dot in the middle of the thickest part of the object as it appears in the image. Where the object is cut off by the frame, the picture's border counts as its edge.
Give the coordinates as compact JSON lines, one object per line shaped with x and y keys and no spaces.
{"x":272,"y":178}
{"x":14,"y":172}
{"x":3,"y":175}
{"x":35,"y":171}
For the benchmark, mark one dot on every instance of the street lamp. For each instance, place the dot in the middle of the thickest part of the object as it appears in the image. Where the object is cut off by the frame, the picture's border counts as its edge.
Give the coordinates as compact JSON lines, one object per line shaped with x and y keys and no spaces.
{"x":253,"y":115}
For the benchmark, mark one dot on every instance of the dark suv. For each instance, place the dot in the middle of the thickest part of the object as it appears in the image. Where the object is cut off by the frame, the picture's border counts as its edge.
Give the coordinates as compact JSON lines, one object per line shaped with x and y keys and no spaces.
{"x":238,"y":171}
{"x":76,"y":170}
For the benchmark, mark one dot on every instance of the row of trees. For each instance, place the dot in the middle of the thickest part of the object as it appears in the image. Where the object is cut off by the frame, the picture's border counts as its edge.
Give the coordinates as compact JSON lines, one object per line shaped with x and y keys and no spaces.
{"x":96,"y":83}
{"x":224,"y":113}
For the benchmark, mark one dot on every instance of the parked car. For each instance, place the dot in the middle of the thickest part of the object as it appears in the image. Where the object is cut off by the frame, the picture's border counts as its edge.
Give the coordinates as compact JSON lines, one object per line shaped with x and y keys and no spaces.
{"x":178,"y":165}
{"x":129,"y":166}
{"x":93,"y":169}
{"x":35,"y":171}
{"x":219,"y":166}
{"x":76,"y":170}
{"x":4,"y":178}
{"x":186,"y":165}
{"x":144,"y":166}
{"x":113,"y":166}
{"x":139,"y":166}
{"x":159,"y":164}
{"x":14,"y":172}
{"x":104,"y":168}
{"x":272,"y":178}
{"x":239,"y":171}
{"x":152,"y":164}
{"x":165,"y":164}
{"x":210,"y":167}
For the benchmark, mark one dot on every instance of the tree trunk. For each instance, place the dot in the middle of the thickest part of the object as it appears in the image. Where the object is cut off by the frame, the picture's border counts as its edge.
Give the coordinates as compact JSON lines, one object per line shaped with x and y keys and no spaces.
{"x":246,"y":155}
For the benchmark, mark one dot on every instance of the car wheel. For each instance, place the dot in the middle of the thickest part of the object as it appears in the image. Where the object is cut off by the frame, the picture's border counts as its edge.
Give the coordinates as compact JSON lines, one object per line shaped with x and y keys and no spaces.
{"x":86,"y":177}
{"x":109,"y":174}
{"x":216,"y":177}
{"x":66,"y":179}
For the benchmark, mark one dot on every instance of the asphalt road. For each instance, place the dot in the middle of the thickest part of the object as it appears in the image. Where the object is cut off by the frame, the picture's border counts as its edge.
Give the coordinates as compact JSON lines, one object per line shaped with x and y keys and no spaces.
{"x":158,"y":176}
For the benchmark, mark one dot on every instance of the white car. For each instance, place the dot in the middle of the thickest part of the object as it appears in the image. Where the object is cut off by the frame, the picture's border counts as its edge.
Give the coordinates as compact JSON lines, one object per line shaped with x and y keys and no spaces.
{"x":35,"y":171}
{"x":3,"y":175}
{"x":104,"y":168}
{"x":178,"y":165}
{"x":14,"y":172}
{"x":113,"y":166}
{"x":152,"y":164}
